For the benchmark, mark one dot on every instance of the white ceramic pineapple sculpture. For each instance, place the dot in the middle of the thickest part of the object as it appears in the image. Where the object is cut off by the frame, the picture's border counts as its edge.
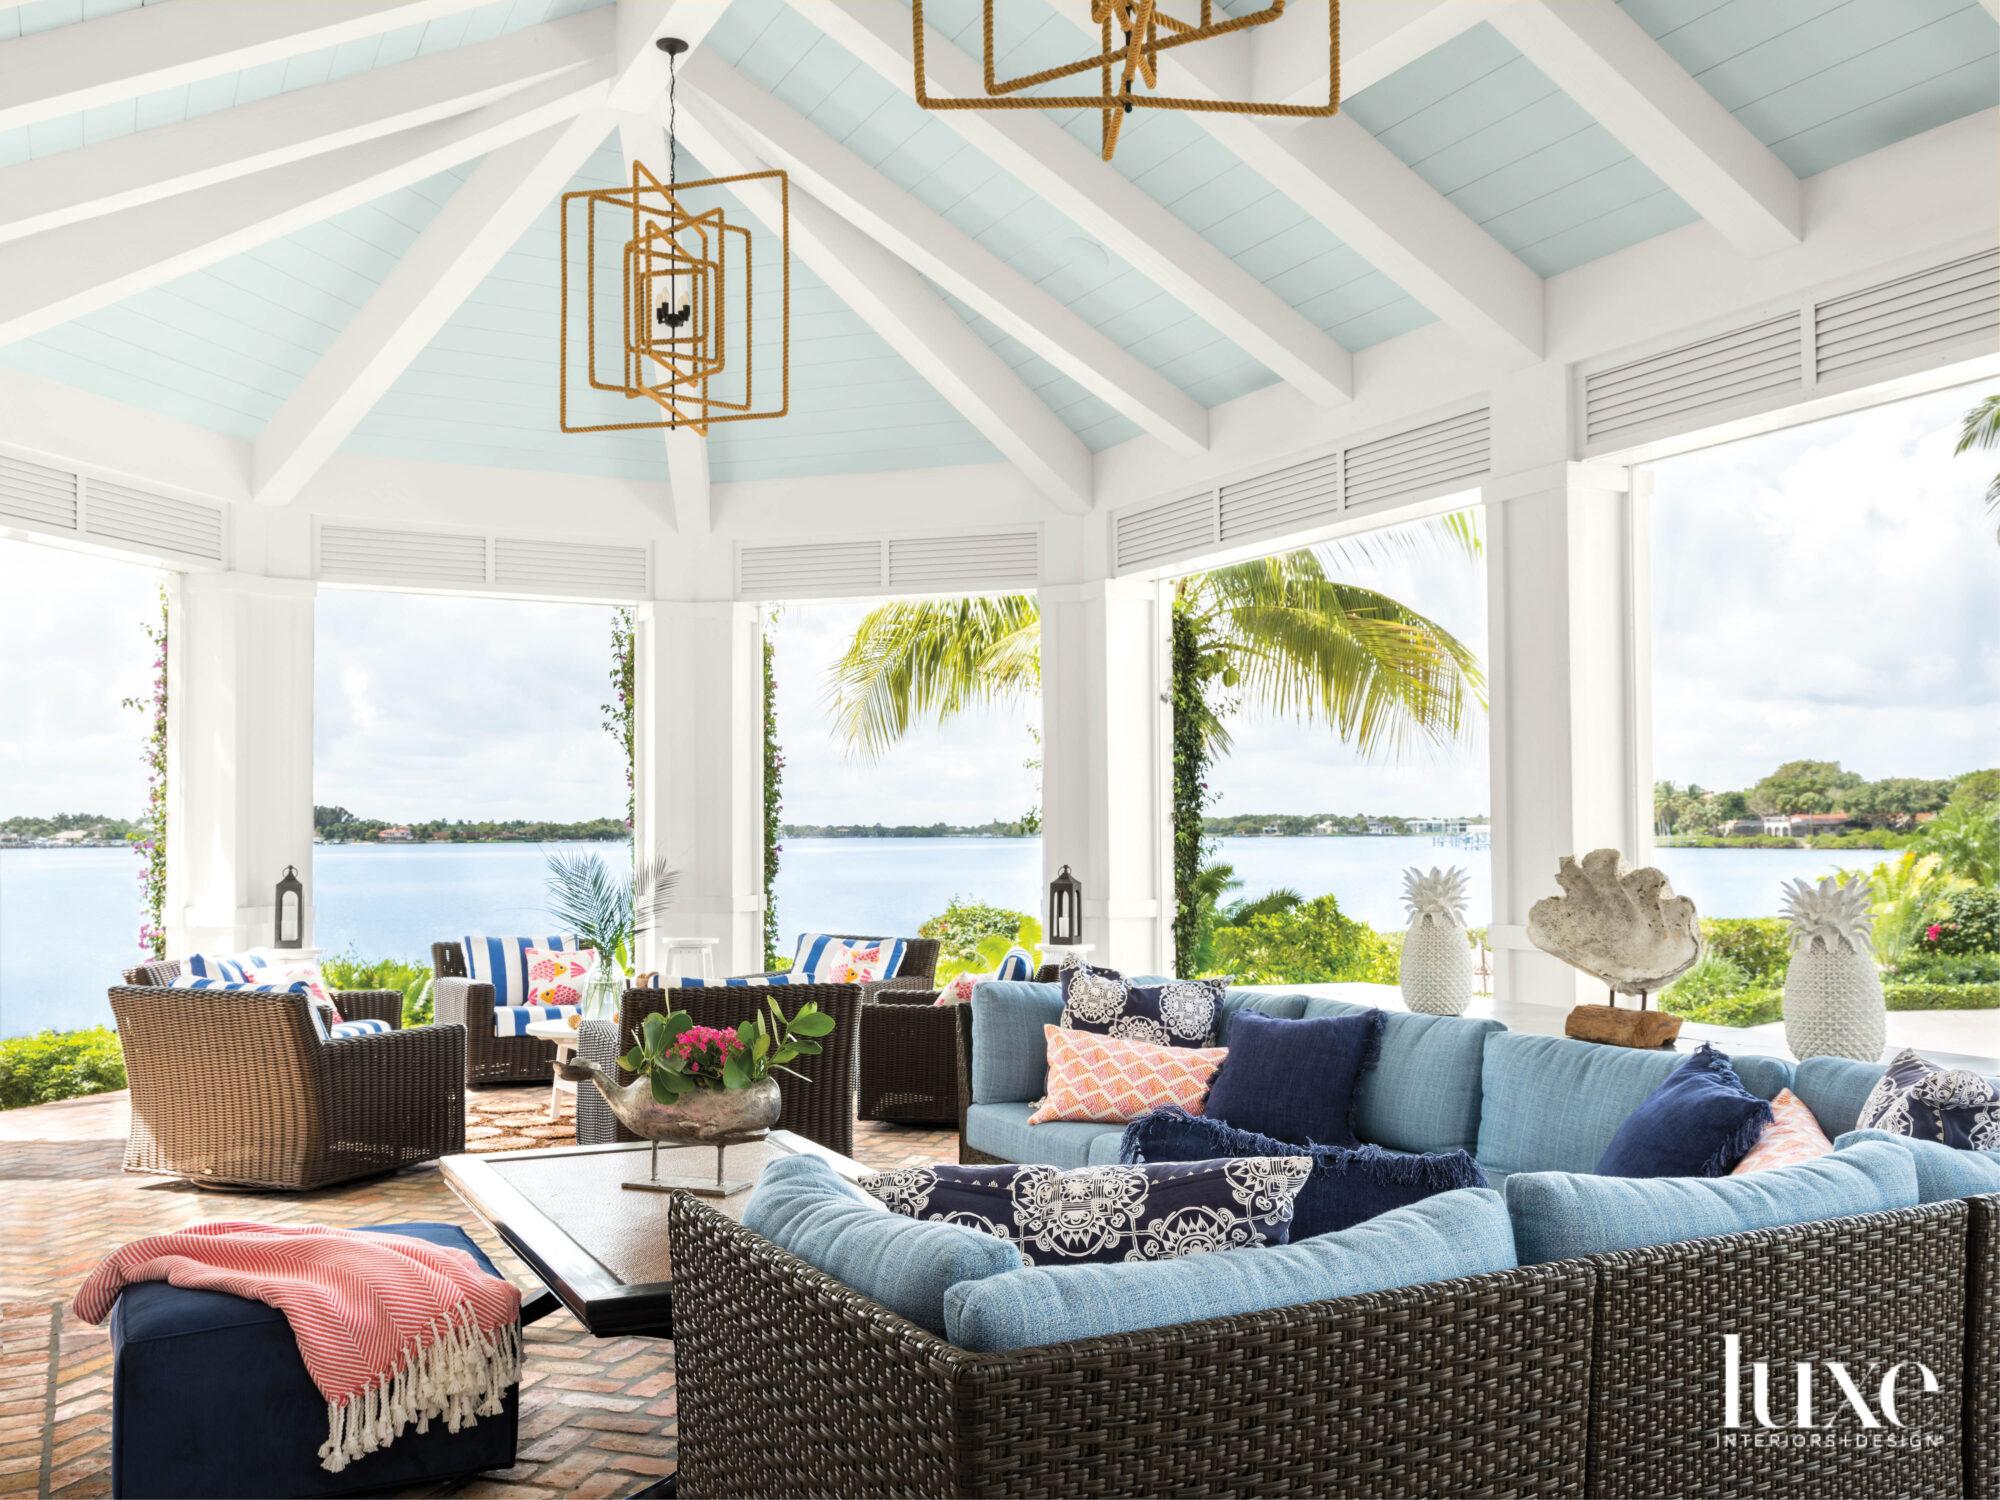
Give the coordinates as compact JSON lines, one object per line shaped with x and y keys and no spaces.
{"x":1437,"y":955}
{"x":1833,"y":992}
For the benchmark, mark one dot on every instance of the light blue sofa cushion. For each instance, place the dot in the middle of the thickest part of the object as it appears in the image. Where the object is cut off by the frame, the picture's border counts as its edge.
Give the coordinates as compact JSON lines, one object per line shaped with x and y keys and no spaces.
{"x":1003,"y":1130}
{"x":1943,"y":1172}
{"x":1462,"y":1233}
{"x":1558,"y":1215}
{"x":1551,"y":1104}
{"x":1010,"y":1059}
{"x":1424,"y":1093}
{"x":1834,"y":1089}
{"x":802,"y":1205}
{"x":1284,"y":1007}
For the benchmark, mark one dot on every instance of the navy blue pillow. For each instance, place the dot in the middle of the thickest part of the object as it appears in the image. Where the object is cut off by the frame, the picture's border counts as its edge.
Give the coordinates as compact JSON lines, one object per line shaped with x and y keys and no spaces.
{"x":1107,"y":1214}
{"x":1700,"y":1122}
{"x":1348,"y":1184}
{"x":1175,"y":1013}
{"x":1294,"y":1080}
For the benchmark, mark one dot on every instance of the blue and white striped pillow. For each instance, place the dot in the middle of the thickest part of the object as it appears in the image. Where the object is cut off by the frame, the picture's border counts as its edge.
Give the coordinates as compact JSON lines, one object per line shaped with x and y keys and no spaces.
{"x":825,"y":957}
{"x":514,"y":1020}
{"x":685,"y":983}
{"x":188,"y":982}
{"x":1016,"y":965}
{"x":234,"y":967}
{"x":368,"y":1026}
{"x":502,"y":962}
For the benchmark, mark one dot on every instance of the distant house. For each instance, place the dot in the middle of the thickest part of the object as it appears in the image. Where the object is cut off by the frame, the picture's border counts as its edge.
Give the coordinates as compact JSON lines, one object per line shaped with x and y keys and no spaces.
{"x":1376,"y":825}
{"x":69,"y":836}
{"x":1273,"y":831}
{"x":1327,"y":827}
{"x":399,"y":834}
{"x":1806,"y":824}
{"x":1743,"y":828}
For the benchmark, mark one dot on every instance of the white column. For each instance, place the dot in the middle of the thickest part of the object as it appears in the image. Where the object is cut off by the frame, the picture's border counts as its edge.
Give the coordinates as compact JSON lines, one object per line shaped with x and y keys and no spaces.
{"x":698,"y":772}
{"x":239,"y":755}
{"x":1569,"y":618}
{"x":1106,"y":768}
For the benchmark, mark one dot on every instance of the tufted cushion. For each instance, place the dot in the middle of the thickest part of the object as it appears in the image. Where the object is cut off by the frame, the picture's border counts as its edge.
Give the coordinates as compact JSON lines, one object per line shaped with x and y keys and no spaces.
{"x":1454,"y":1234}
{"x":1423,"y":1094}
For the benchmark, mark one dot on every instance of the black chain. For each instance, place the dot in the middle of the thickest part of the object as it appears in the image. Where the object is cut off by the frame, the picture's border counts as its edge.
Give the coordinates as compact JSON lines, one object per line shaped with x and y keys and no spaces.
{"x":673,"y":116}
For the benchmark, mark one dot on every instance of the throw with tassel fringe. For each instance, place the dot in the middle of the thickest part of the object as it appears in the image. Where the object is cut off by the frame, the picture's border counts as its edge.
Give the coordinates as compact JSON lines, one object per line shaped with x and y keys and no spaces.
{"x":394,"y":1331}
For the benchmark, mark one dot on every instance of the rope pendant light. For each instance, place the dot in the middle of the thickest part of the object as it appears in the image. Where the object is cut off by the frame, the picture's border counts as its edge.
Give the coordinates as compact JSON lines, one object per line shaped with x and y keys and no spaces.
{"x":1132,"y":35}
{"x":684,"y":336}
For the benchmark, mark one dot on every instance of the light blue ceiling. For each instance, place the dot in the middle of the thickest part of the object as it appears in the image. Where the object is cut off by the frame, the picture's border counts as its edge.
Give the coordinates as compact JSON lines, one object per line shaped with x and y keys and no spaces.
{"x":1823,"y":81}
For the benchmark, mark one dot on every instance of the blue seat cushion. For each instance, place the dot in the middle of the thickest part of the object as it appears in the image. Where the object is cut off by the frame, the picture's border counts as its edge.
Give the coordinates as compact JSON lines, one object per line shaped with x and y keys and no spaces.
{"x":1834,"y":1089}
{"x":1295,"y":1080}
{"x":1552,"y":1104}
{"x":1003,"y":1130}
{"x":1454,"y":1234}
{"x":1348,"y":1184}
{"x":802,"y":1205}
{"x":1700,"y":1122}
{"x":1423,"y":1094}
{"x":209,"y":1396}
{"x":1943,"y":1172}
{"x":1558,"y":1215}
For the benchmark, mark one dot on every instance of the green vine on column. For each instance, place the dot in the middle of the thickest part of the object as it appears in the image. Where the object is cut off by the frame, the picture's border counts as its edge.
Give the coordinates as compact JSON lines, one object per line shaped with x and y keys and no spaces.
{"x":151,"y":846}
{"x":1191,"y":789}
{"x":619,"y":716}
{"x":774,"y":780}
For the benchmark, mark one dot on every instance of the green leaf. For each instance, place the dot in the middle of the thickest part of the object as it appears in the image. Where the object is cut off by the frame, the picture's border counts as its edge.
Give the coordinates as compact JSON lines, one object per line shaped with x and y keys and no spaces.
{"x":811,"y":1021}
{"x":664,"y":1091}
{"x":746,"y":1033}
{"x":677,"y":1023}
{"x":654,"y":1031}
{"x":761,"y":1046}
{"x":733,"y":1074}
{"x":633,"y":1061}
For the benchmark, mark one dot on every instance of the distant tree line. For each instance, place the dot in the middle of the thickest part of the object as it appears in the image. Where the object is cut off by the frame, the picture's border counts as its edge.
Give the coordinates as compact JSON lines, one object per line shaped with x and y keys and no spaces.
{"x":96,"y":825}
{"x":1297,"y":825}
{"x":1017,"y":828}
{"x":1820,"y":787}
{"x":339,"y":826}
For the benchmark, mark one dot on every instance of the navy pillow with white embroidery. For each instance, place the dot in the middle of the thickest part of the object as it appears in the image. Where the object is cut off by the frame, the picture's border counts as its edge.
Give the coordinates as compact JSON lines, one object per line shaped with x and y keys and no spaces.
{"x":1107,"y":1214}
{"x":1953,"y":1106}
{"x":1179,"y":1013}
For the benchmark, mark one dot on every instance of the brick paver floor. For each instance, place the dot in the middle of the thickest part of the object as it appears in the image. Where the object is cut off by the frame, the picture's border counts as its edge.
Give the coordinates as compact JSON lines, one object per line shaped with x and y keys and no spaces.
{"x":597,"y":1415}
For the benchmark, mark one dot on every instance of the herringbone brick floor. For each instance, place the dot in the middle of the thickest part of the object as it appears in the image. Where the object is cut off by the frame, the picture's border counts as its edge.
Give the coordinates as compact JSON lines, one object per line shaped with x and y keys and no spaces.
{"x":597,"y":1416}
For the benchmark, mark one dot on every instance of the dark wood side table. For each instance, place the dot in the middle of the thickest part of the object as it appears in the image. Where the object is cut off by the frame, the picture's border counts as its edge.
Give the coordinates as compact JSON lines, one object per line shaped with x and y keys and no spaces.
{"x":599,"y":1249}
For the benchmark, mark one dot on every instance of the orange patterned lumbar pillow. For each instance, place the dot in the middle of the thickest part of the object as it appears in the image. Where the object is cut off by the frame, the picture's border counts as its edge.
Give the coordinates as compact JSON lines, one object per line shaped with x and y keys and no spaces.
{"x":1792,"y":1136}
{"x":1108,"y":1081}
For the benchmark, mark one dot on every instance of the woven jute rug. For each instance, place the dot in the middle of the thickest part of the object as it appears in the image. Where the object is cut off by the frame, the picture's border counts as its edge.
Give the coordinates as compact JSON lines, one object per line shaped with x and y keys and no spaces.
{"x":515,"y":1117}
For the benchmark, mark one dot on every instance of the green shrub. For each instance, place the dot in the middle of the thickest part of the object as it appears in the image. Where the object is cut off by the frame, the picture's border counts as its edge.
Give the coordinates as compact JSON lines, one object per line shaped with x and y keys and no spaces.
{"x":1713,"y":1004}
{"x":1311,"y":943}
{"x":55,"y":1065}
{"x":1946,"y":968}
{"x":413,"y":981}
{"x":1969,"y":923}
{"x":1942,"y":996}
{"x":963,"y":925}
{"x":1756,"y":945}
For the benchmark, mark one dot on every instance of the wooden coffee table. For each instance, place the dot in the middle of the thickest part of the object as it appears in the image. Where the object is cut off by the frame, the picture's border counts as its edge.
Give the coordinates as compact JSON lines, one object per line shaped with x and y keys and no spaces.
{"x":599,"y":1249}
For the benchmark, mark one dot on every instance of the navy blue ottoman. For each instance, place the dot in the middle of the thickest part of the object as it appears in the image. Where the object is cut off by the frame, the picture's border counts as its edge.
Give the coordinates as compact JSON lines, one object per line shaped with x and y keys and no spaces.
{"x":209,"y":1397}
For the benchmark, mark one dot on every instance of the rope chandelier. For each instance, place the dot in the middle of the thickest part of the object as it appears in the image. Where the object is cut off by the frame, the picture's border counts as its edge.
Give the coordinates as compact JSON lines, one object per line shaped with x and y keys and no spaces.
{"x":1133,"y":34}
{"x":681,"y":331}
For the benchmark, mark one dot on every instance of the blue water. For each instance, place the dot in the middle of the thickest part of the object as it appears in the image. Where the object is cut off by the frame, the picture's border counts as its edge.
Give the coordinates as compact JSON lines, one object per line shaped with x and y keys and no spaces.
{"x":69,"y":917}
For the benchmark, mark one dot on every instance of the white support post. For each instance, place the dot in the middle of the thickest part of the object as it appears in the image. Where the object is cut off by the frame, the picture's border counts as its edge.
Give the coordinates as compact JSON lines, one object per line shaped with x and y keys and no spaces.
{"x":1106,"y":758}
{"x":1570,"y":673}
{"x":698,"y":773}
{"x":239,"y":756}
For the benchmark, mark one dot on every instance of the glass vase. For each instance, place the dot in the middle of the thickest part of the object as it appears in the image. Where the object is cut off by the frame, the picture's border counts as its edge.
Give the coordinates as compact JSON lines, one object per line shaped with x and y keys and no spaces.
{"x":604,"y":993}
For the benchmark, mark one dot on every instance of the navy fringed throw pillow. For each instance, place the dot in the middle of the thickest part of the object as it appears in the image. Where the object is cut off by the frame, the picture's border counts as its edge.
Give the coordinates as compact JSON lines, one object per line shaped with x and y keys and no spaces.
{"x":1348,"y":1184}
{"x":1700,"y":1122}
{"x":1294,"y":1080}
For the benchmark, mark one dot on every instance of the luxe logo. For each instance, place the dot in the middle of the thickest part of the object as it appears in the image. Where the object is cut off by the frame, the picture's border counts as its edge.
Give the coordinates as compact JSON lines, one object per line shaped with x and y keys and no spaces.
{"x":1843,"y":1389}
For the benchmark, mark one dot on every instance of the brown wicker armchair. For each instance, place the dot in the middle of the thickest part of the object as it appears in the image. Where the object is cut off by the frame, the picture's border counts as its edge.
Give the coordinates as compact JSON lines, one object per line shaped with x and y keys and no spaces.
{"x":917,"y":971}
{"x":353,"y":1005}
{"x":469,"y":1003}
{"x":819,"y":1106}
{"x":243,"y":1089}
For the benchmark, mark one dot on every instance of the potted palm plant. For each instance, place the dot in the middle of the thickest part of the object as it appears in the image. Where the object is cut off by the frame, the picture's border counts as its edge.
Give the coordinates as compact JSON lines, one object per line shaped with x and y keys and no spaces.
{"x":609,"y":913}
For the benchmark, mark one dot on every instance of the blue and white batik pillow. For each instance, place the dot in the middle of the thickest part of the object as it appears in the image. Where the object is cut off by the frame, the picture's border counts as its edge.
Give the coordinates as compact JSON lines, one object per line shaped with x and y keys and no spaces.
{"x":503,"y":963}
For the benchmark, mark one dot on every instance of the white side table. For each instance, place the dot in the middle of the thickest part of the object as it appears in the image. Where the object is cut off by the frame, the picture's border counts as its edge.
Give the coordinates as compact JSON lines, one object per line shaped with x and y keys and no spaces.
{"x":564,"y":1036}
{"x":687,"y":958}
{"x":1055,"y":953}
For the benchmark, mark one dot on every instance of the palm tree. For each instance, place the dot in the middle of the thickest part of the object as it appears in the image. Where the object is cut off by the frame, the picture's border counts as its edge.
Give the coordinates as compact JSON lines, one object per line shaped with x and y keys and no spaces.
{"x":1982,"y":430}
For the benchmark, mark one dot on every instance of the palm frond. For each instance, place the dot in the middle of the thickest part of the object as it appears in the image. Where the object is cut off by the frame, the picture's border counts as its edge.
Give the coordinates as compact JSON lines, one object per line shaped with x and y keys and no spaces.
{"x":933,"y":659}
{"x":1457,"y":535}
{"x":655,"y":882}
{"x":589,"y":900}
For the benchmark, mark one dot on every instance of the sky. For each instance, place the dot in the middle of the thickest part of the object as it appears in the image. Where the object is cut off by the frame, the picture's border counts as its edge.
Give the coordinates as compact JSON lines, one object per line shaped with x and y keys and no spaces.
{"x":1828,"y":592}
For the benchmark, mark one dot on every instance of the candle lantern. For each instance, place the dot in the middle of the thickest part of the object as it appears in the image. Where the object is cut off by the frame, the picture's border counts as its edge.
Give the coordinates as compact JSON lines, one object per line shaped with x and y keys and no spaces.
{"x":1065,"y":910}
{"x":291,"y":909}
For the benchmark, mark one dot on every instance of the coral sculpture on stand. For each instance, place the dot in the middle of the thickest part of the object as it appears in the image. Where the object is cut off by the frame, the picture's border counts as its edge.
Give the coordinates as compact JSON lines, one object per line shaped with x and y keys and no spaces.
{"x":1833,"y":991}
{"x":1436,"y":971}
{"x":1626,"y":928}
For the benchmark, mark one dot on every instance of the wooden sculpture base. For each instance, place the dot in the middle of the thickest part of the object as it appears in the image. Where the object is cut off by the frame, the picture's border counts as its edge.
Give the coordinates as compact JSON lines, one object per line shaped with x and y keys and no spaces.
{"x":1617,"y":1027}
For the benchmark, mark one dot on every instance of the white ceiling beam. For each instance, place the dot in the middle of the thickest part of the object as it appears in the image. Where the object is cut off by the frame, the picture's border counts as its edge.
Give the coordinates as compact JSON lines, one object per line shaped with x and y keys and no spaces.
{"x":55,"y":277}
{"x":1044,"y":157}
{"x":913,"y":320}
{"x":1606,"y":62}
{"x":1363,"y":193}
{"x":1377,"y":37}
{"x":951,"y":258}
{"x":73,"y":68}
{"x":148,"y":165}
{"x":477,"y":226}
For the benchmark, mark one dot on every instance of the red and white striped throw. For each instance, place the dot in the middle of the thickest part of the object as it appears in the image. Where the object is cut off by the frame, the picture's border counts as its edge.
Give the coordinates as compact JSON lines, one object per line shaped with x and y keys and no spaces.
{"x":393,"y":1330}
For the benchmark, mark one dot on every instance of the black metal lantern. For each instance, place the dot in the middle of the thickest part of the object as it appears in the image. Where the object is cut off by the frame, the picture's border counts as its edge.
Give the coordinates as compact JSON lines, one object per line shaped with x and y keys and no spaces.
{"x":291,"y":909}
{"x":1065,"y":910}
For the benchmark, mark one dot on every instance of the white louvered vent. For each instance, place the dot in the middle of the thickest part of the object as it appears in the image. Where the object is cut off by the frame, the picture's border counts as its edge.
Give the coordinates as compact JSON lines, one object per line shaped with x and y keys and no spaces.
{"x":39,"y":496}
{"x":1727,"y":370}
{"x":117,"y":514}
{"x":1434,"y":459}
{"x":1901,"y":320}
{"x":1166,"y":531}
{"x":366,"y":554}
{"x":809,"y":570}
{"x":998,"y":560}
{"x":589,"y":569}
{"x":1283,"y":501}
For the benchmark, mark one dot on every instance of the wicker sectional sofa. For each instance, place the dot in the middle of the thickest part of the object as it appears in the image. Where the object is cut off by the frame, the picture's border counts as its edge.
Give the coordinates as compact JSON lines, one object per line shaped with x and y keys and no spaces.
{"x":1602,"y":1375}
